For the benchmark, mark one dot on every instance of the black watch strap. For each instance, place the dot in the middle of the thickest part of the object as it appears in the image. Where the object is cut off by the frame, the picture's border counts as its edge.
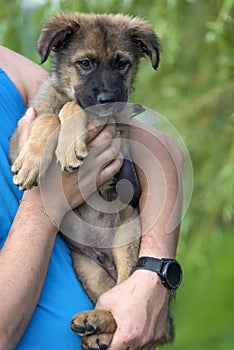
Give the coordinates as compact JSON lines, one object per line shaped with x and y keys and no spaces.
{"x":169,"y":270}
{"x":149,"y":263}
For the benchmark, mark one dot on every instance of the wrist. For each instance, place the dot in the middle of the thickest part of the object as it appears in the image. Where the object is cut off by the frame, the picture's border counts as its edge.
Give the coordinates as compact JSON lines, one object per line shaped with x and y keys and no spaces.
{"x":54,"y":207}
{"x":34,"y":195}
{"x":34,"y":199}
{"x":41,"y":209}
{"x":152,"y":283}
{"x":160,"y":254}
{"x":168,"y":270}
{"x":161,"y":249}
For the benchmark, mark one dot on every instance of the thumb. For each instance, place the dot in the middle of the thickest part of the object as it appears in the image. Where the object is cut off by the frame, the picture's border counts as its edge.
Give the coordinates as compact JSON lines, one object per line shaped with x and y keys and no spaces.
{"x":24,"y":126}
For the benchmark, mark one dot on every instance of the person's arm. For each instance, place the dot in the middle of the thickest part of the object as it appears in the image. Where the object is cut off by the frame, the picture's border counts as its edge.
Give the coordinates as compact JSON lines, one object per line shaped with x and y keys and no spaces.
{"x":140,"y":304}
{"x":25,"y":255}
{"x":24,"y":260}
{"x":25,"y":74}
{"x":159,"y":166}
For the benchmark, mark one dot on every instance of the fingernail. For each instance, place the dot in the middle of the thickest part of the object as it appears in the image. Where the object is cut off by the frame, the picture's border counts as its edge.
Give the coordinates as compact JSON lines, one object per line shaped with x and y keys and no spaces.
{"x":29,"y":112}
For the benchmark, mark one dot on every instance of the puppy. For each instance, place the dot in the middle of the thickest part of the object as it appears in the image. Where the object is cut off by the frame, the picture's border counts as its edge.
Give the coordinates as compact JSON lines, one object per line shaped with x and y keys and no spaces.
{"x":95,"y":61}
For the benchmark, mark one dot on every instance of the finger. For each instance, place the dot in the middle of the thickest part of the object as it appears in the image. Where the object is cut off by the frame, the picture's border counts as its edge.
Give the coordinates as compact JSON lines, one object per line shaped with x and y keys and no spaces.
{"x":107,"y":152}
{"x":93,"y":131}
{"x":97,"y":125}
{"x":106,"y":134}
{"x":24,"y":126}
{"x":121,"y":340}
{"x":110,"y":170}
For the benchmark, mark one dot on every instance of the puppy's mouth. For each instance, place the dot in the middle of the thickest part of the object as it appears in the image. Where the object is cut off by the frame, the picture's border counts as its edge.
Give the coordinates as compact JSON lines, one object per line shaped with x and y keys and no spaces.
{"x":114,"y":109}
{"x":106,"y":109}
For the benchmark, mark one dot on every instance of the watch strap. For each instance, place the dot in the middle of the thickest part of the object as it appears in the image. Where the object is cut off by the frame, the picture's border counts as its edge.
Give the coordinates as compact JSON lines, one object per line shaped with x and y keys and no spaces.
{"x":149,"y":263}
{"x":169,"y":270}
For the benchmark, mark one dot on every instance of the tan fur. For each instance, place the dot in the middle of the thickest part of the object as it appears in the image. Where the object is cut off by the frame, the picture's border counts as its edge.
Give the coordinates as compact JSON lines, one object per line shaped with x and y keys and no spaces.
{"x":72,"y":136}
{"x":34,"y":147}
{"x":113,"y":43}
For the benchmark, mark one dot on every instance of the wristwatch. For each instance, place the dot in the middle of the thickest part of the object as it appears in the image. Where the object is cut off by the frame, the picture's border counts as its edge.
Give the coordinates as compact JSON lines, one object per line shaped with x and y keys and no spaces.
{"x":169,"y":270}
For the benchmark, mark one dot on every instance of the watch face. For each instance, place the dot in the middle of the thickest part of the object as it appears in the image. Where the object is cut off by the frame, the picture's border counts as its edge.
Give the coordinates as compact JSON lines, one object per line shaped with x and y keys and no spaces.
{"x":173,"y":274}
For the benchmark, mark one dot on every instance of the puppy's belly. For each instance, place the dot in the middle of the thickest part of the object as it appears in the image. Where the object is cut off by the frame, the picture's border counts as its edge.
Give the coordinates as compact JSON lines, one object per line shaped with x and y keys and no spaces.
{"x":92,"y":232}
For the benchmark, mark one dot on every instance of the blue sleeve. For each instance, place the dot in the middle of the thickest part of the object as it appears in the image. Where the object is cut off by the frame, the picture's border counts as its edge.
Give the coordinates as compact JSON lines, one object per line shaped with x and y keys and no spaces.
{"x":62,"y":294}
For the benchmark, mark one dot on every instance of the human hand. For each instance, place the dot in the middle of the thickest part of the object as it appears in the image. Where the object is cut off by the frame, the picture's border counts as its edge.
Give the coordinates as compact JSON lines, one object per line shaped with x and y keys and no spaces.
{"x":62,"y":191}
{"x":140,"y":307}
{"x":102,"y":163}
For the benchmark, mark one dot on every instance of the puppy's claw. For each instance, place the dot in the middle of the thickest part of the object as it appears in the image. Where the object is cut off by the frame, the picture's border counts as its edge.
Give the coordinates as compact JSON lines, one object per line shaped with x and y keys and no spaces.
{"x":101,"y":345}
{"x":85,"y":329}
{"x":70,"y":168}
{"x":15,"y":181}
{"x":71,"y":161}
{"x":77,"y":328}
{"x":26,"y":182}
{"x":90,"y":328}
{"x":81,"y":157}
{"x":14,"y":170}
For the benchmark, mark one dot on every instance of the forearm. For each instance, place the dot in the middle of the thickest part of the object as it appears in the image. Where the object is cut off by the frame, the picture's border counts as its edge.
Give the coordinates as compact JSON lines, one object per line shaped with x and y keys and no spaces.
{"x":159,"y":168}
{"x":24,"y":260}
{"x":160,"y":216}
{"x":142,"y":296}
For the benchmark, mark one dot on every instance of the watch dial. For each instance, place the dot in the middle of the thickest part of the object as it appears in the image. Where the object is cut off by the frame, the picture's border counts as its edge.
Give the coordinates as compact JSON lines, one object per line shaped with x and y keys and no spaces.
{"x":174,"y":274}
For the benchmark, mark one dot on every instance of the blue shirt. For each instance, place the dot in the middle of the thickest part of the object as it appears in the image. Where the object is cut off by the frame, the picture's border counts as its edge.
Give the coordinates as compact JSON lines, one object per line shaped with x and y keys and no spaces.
{"x":62,"y":295}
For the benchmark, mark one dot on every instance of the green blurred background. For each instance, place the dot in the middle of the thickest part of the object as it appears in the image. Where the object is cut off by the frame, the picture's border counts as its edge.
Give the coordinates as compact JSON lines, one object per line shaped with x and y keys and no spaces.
{"x":194,"y":90}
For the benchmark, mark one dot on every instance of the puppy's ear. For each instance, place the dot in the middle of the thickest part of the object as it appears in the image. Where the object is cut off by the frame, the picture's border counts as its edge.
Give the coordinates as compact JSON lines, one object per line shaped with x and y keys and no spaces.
{"x":56,"y":32}
{"x":146,"y":40}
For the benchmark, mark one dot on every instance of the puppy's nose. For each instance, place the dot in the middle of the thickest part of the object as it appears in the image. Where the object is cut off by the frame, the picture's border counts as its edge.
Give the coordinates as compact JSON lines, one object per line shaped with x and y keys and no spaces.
{"x":106,"y":97}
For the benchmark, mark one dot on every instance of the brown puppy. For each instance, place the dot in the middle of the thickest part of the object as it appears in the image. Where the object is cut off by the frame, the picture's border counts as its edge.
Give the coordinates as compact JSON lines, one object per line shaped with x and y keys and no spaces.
{"x":94,"y":64}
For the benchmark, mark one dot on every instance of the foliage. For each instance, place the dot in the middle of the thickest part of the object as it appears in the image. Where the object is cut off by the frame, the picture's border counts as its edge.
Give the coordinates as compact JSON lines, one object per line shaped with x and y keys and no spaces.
{"x":194,"y":90}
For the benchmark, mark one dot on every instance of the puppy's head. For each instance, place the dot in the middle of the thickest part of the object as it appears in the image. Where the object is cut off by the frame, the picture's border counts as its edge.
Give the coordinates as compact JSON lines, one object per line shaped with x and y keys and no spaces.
{"x":96,"y":56}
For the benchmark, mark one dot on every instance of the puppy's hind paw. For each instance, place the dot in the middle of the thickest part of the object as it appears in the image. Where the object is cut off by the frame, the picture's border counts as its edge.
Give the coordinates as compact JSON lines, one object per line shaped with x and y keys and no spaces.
{"x":96,"y":342}
{"x":93,"y":322}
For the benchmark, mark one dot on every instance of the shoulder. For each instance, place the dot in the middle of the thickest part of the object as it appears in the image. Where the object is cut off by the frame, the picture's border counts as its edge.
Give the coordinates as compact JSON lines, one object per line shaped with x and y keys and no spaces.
{"x":25,"y":74}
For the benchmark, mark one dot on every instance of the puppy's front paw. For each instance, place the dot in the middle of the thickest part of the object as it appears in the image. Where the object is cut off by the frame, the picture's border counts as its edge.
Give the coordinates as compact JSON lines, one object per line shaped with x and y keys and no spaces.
{"x":26,"y":170}
{"x":71,"y":148}
{"x":70,"y":154}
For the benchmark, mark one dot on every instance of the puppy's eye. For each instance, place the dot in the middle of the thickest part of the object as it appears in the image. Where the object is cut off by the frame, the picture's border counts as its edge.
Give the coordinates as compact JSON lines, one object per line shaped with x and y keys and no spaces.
{"x":85,"y":64}
{"x":123,"y":64}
